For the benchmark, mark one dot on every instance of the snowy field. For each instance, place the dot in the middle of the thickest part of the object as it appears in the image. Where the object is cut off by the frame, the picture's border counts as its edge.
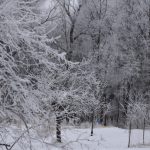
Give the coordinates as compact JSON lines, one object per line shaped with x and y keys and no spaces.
{"x":109,"y":138}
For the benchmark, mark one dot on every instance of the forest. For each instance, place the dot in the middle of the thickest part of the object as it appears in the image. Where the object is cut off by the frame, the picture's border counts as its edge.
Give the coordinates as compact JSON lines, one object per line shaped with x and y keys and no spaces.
{"x":70,"y":66}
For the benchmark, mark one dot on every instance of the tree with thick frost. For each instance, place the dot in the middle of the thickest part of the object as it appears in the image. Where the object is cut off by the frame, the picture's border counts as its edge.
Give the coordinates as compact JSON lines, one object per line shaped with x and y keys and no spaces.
{"x":137,"y":115}
{"x":91,"y":91}
{"x":28,"y":64}
{"x":76,"y":92}
{"x":35,"y":70}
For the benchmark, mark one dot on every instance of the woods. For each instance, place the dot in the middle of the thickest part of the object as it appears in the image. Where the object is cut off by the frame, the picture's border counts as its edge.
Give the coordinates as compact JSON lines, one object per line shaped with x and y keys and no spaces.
{"x":67,"y":62}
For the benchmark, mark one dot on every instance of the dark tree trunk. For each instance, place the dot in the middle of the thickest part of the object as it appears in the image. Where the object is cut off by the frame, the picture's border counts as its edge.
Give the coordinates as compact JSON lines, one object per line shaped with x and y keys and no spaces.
{"x":71,"y":34}
{"x":105,"y":116}
{"x":130,"y":126}
{"x":126,"y":101}
{"x":105,"y":120}
{"x":144,"y":131}
{"x":58,"y":128}
{"x":118,"y":114}
{"x":92,"y":123}
{"x":67,"y":120}
{"x":111,"y":118}
{"x":70,"y":53}
{"x":101,"y":116}
{"x":137,"y":124}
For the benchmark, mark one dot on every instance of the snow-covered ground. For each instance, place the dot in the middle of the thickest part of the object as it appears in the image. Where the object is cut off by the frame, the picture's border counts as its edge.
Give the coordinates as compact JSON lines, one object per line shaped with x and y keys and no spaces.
{"x":105,"y":138}
{"x":109,"y":138}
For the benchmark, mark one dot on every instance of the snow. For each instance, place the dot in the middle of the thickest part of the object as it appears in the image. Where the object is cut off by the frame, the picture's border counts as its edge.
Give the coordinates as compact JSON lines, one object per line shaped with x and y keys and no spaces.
{"x":105,"y":138}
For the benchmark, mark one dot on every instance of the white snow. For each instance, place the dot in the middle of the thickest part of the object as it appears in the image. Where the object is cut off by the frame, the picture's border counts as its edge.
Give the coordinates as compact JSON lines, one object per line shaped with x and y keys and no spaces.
{"x":105,"y":138}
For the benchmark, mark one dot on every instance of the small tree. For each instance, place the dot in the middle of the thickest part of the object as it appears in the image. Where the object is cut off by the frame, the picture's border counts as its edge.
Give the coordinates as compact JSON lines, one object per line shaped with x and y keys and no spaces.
{"x":137,"y":110}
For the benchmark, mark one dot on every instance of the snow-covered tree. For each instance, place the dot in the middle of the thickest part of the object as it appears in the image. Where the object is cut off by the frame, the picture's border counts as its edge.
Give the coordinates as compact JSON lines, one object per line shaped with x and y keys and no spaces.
{"x":27,"y":61}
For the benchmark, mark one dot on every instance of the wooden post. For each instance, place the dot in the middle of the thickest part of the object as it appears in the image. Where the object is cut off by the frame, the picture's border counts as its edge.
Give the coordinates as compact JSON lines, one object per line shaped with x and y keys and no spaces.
{"x":130,"y":126}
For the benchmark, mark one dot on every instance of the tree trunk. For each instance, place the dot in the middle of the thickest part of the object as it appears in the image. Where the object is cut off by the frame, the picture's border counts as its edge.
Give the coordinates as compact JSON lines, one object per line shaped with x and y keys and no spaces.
{"x":137,"y":124}
{"x":112,"y":119}
{"x":105,"y":116}
{"x":71,"y":34}
{"x":118,"y":114}
{"x":101,"y":116}
{"x":58,"y":128}
{"x":144,"y":132}
{"x":130,"y":126}
{"x":105,"y":120}
{"x":92,"y":123}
